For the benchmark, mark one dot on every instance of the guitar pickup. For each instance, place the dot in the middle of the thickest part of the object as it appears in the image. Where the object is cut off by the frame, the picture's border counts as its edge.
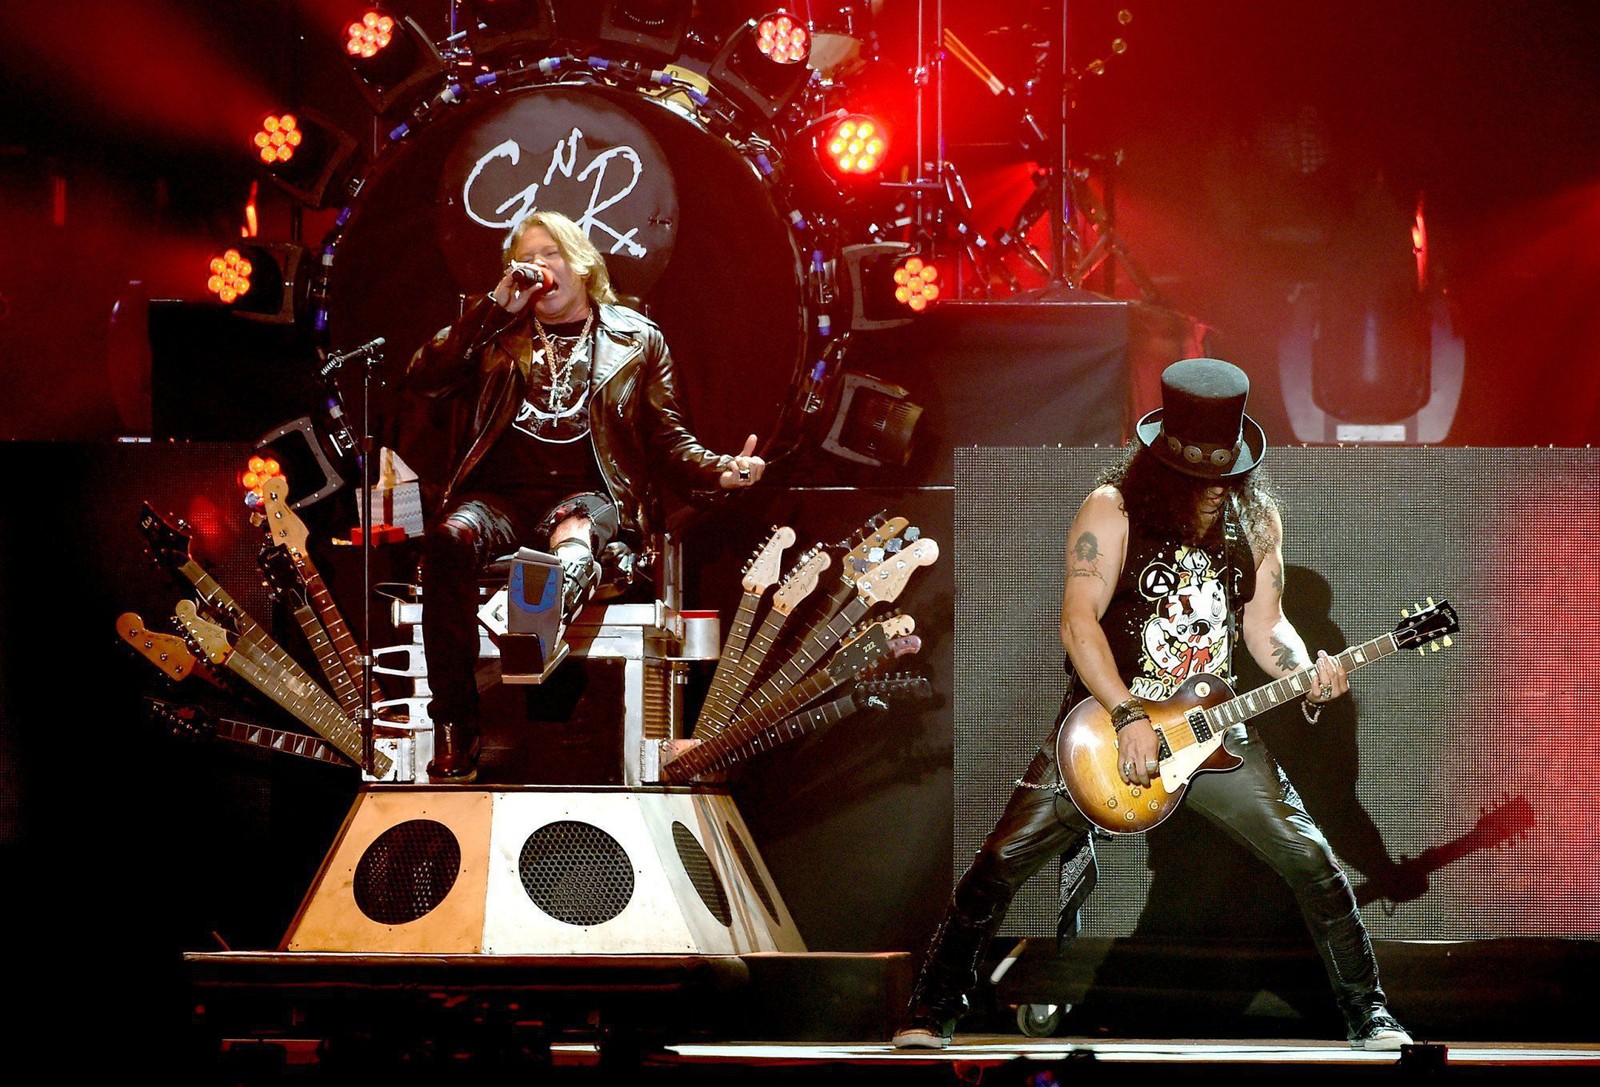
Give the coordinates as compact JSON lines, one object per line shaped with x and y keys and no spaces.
{"x":1196,"y":720}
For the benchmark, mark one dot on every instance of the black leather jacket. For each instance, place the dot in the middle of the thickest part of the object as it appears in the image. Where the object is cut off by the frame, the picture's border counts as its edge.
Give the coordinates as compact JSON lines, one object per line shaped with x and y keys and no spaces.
{"x":640,"y":440}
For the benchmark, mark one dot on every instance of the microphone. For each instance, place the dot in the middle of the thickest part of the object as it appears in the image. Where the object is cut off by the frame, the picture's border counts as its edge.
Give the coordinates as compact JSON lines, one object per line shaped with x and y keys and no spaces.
{"x":530,"y":277}
{"x":366,"y":350}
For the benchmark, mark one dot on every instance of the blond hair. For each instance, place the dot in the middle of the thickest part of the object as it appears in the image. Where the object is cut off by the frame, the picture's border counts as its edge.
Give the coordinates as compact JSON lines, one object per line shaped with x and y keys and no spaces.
{"x":576,"y":248}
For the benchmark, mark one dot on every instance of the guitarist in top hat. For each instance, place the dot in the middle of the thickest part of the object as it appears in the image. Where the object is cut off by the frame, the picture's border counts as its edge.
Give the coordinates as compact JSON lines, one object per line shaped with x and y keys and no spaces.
{"x":1172,"y":560}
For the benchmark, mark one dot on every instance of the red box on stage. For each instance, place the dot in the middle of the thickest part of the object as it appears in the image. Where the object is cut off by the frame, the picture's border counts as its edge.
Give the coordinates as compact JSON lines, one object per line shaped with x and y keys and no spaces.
{"x":381,"y":534}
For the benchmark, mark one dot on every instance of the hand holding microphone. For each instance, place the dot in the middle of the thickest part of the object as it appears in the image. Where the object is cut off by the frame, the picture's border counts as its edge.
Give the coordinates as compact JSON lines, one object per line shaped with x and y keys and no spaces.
{"x":524,"y":282}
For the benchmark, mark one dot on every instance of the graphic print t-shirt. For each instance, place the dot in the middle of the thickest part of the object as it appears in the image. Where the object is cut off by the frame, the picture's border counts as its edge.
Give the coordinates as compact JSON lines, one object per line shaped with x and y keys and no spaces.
{"x":545,"y":454}
{"x":1168,"y":614}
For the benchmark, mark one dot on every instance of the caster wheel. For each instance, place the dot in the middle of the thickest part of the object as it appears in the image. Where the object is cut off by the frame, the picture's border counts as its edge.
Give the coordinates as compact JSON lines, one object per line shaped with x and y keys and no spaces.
{"x":1040,"y":1020}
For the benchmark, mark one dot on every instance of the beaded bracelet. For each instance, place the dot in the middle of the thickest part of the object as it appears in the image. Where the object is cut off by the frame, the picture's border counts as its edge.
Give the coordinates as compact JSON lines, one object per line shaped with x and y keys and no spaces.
{"x":1127,"y":713}
{"x":1310,"y":715}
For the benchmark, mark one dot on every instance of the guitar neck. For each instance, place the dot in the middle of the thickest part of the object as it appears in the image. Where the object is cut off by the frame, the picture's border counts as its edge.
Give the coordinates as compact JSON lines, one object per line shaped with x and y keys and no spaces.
{"x":816,"y":644}
{"x":721,"y":695}
{"x":257,"y":661}
{"x":716,"y":713}
{"x":1274,"y":694}
{"x":274,"y":739}
{"x":344,"y":643}
{"x":791,"y":729}
{"x":216,"y":596}
{"x":329,"y":660}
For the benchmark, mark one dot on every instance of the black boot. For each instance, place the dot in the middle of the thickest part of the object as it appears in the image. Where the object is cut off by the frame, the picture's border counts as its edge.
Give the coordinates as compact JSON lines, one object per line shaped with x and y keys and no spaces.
{"x":949,"y":973}
{"x":456,"y":747}
{"x":1341,"y":938}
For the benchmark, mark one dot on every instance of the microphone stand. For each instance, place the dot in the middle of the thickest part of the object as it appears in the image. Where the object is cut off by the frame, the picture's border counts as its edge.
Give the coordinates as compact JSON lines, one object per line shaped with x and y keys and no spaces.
{"x":371,"y":355}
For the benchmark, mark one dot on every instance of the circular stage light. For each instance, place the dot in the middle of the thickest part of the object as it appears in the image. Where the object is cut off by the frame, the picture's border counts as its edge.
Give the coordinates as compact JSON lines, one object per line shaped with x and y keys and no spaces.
{"x":783,"y":38}
{"x":855,"y":146}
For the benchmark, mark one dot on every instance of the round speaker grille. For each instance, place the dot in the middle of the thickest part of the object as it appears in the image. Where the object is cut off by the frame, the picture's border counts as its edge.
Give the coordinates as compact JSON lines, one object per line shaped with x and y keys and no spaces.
{"x":407,"y":871}
{"x":698,"y":866}
{"x":749,"y":865}
{"x":576,"y":873}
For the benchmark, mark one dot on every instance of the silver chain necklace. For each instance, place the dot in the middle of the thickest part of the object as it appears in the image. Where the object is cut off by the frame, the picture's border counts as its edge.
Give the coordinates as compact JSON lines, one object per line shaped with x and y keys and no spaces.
{"x":560,"y":363}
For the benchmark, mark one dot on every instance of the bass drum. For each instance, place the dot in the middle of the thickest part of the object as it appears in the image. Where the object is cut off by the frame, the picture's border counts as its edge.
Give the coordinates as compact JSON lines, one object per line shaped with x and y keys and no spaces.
{"x":691,"y":234}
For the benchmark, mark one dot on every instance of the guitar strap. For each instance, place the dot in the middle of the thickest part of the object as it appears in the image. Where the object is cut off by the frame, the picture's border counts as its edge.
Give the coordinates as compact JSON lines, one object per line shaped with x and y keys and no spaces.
{"x":1232,"y":580}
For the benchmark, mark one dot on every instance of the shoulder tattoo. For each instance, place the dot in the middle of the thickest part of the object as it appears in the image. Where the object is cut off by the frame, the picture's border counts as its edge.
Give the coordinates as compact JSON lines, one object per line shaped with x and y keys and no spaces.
{"x":1086,"y":556}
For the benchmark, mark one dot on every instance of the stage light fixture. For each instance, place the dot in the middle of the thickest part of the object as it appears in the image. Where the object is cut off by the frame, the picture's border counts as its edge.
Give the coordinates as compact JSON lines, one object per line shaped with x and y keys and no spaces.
{"x":305,"y":154}
{"x":500,"y":29}
{"x":915,"y":284}
{"x":874,"y":423}
{"x":230,"y":276}
{"x":278,"y":138}
{"x":257,"y":471}
{"x":261,"y":282}
{"x":653,"y":27}
{"x":870,"y":275}
{"x":854,"y":146}
{"x":782,"y":38}
{"x":750,"y":76}
{"x":392,"y":59}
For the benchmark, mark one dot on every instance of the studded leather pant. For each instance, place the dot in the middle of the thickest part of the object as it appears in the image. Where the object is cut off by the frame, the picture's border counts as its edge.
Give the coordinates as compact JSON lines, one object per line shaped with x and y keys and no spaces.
{"x":1254,"y":803}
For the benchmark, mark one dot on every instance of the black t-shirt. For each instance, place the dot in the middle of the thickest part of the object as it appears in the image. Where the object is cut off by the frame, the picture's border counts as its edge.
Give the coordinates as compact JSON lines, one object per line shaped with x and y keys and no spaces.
{"x":1168,"y":616}
{"x":545,"y":454}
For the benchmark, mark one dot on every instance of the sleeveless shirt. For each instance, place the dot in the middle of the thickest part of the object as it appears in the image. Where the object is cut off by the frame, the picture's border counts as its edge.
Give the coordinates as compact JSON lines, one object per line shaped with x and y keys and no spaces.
{"x":1168,"y":619}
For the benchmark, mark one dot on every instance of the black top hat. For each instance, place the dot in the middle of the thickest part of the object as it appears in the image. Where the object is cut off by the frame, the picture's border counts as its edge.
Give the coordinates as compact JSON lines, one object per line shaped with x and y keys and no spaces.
{"x":1201,"y":428}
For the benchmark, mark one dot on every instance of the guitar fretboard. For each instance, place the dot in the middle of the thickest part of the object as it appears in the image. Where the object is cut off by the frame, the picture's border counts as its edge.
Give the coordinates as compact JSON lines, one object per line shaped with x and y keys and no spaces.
{"x":1274,"y":694}
{"x":718,"y":711}
{"x":308,"y":702}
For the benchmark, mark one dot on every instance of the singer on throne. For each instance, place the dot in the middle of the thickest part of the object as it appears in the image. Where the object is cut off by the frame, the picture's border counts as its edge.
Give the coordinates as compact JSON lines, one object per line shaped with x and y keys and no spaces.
{"x":560,"y":417}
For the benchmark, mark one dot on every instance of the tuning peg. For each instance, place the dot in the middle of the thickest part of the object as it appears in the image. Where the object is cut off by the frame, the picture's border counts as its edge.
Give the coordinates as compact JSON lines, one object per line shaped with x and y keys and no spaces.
{"x":1422,"y":651}
{"x":1448,"y":641}
{"x":1404,"y":614}
{"x":1430,"y":602}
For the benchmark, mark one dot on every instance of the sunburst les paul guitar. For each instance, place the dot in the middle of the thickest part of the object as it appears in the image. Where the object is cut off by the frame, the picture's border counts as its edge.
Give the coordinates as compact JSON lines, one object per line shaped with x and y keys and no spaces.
{"x":1190,"y":724}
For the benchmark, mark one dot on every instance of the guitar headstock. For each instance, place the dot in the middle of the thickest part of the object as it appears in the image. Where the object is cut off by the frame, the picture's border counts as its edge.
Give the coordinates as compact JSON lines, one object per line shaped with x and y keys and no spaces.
{"x":1508,"y":821}
{"x":872,"y":645}
{"x":283,"y":576}
{"x":801,"y":580}
{"x":900,"y":687}
{"x":872,"y":543}
{"x":885,"y":581}
{"x":1424,"y":626}
{"x":168,"y":652}
{"x":207,"y":638}
{"x":282,"y":525}
{"x":168,"y":540}
{"x":186,"y":721}
{"x":762,"y":570}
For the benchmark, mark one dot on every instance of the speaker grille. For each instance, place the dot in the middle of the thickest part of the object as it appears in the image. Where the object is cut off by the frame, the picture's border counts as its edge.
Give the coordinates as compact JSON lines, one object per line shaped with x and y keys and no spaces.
{"x":407,"y":871}
{"x":576,"y":873}
{"x":748,"y":863}
{"x":698,"y":866}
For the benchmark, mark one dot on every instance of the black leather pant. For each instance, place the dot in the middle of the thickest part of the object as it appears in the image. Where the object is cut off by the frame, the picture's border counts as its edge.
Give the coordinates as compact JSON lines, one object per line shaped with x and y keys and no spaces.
{"x":456,"y":551}
{"x":1254,"y":803}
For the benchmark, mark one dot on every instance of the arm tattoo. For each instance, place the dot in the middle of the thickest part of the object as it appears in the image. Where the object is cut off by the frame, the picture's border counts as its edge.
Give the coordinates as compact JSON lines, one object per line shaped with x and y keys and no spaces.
{"x":1277,"y":580}
{"x":1283,"y":655}
{"x":1086,"y":556}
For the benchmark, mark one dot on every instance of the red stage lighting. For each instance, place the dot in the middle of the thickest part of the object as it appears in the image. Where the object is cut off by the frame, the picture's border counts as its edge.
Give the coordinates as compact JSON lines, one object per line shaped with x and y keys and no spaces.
{"x":230,"y":276}
{"x":783,"y":38}
{"x":258,"y":470}
{"x":280,"y":135}
{"x":372,"y":32}
{"x":855,"y":146}
{"x":305,"y":154}
{"x":914,"y":284}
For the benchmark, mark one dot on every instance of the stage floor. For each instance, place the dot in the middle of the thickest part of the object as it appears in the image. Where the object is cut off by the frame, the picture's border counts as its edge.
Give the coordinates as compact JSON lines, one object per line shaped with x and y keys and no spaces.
{"x":974,"y":1058}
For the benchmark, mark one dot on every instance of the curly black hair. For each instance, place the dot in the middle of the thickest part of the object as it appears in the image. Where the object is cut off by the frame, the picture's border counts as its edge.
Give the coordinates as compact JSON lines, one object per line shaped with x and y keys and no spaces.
{"x":1155,"y":493}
